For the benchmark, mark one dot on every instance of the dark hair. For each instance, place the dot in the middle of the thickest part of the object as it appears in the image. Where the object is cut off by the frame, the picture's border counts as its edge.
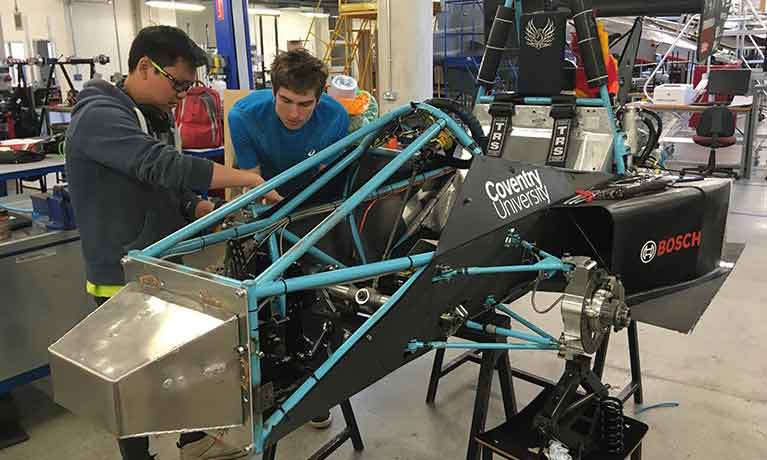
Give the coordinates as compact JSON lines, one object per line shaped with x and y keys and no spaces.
{"x":299,"y":71}
{"x":165,"y":45}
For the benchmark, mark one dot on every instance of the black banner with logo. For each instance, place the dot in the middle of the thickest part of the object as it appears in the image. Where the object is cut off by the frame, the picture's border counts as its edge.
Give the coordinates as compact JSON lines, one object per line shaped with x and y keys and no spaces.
{"x":541,"y":53}
{"x":498,"y":192}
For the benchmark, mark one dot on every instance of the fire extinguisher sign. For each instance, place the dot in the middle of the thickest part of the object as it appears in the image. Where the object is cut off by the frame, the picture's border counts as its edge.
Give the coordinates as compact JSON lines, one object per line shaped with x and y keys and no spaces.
{"x":220,"y":10}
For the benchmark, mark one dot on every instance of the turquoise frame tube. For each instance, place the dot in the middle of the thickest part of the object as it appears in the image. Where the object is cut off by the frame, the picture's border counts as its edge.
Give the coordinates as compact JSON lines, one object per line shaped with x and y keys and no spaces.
{"x":312,"y":162}
{"x":516,"y":316}
{"x":490,"y":329}
{"x":353,"y":220}
{"x":271,"y":282}
{"x":274,"y":253}
{"x":250,"y":228}
{"x":619,"y":138}
{"x":311,"y":238}
{"x":318,"y":254}
{"x":344,"y":275}
{"x":549,"y":264}
{"x":306,"y":387}
{"x":416,"y":345}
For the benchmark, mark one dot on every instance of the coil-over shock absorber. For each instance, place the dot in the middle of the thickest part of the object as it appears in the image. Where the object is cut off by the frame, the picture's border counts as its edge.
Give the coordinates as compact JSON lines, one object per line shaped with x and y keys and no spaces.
{"x":611,"y":409}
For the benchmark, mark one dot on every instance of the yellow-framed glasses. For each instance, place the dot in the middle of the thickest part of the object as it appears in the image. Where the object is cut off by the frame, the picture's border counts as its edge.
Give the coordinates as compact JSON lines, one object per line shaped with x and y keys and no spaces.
{"x":178,"y":85}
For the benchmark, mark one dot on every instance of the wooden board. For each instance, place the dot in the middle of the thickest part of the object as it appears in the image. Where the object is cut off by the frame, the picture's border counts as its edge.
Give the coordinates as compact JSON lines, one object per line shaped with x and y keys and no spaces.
{"x":687,"y":108}
{"x":231,"y":96}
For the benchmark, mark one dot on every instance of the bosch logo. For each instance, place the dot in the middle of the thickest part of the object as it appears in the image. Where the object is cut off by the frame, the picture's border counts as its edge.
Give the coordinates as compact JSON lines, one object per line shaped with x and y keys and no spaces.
{"x":648,"y":252}
{"x":670,"y":245}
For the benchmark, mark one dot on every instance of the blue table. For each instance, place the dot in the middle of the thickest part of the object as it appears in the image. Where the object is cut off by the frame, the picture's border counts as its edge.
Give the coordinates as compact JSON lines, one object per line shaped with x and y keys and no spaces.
{"x":50,"y":165}
{"x":206,"y":153}
{"x":55,"y":164}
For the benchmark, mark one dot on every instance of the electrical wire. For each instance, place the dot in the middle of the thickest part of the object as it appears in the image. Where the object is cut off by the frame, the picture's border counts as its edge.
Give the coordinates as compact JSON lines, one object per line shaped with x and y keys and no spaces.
{"x":398,"y":217}
{"x":282,"y":237}
{"x":588,"y":241}
{"x":538,"y":280}
{"x":652,"y":142}
{"x":540,"y":277}
{"x":370,"y":206}
{"x":361,"y":225}
{"x":683,"y":176}
{"x":670,"y":404}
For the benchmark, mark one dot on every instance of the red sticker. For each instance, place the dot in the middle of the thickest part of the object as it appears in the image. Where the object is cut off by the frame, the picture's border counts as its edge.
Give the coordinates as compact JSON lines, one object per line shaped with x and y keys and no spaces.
{"x":220,"y":10}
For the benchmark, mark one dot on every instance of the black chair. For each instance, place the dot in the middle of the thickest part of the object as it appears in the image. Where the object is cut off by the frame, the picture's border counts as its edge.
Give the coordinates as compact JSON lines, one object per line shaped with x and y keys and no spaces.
{"x":716,"y":130}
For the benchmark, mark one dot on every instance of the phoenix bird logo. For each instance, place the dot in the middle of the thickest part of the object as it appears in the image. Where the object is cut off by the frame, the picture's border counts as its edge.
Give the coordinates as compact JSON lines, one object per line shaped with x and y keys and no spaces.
{"x":540,"y":38}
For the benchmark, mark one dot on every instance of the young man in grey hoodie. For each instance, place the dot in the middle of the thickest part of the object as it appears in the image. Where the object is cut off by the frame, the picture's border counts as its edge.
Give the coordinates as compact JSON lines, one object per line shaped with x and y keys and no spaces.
{"x":129,"y":184}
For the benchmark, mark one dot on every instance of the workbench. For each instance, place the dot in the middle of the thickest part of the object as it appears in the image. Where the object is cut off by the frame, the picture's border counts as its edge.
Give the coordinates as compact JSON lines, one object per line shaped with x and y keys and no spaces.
{"x":56,"y":164}
{"x":43,"y":280}
{"x":43,"y":296}
{"x":50,"y":165}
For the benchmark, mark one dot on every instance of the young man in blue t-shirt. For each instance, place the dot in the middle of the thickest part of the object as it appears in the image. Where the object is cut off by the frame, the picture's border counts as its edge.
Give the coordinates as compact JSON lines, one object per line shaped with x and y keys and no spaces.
{"x":275,"y":129}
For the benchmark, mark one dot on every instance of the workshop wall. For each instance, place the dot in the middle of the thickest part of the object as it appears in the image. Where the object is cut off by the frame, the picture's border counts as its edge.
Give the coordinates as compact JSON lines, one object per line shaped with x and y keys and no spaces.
{"x":42,"y":20}
{"x":93,"y":33}
{"x":292,"y":26}
{"x":405,"y":56}
{"x":147,"y":16}
{"x":195,"y":24}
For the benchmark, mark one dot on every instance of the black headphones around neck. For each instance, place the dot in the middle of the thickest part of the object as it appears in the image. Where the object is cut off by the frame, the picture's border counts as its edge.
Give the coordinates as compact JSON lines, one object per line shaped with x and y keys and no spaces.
{"x":158,"y":120}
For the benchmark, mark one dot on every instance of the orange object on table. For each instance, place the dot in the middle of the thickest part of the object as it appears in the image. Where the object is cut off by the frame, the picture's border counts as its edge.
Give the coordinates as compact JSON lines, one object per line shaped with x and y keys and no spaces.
{"x":357,"y":105}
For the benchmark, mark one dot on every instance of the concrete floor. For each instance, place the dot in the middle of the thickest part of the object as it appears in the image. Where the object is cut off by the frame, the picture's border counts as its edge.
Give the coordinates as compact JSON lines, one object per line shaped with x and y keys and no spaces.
{"x":717,"y":375}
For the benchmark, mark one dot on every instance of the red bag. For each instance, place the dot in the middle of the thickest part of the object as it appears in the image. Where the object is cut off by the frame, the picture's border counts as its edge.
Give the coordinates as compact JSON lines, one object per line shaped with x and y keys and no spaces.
{"x":199,"y":117}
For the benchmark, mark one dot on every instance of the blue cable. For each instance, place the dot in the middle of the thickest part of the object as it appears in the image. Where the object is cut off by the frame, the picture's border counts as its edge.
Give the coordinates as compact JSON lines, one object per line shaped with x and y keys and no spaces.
{"x":670,"y":404}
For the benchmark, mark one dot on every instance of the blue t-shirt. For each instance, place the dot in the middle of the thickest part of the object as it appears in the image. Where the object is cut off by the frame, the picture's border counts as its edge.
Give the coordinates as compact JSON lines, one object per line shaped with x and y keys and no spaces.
{"x":260,"y":138}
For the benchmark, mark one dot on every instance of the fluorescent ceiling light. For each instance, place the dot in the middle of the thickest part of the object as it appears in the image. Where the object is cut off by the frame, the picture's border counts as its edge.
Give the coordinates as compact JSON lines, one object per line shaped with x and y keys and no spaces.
{"x":315,"y":14}
{"x":263,"y":11}
{"x":174,"y":5}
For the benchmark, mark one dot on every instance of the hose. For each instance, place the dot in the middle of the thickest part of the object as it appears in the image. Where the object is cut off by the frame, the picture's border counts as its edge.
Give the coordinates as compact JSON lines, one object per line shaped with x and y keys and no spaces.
{"x":650,"y":144}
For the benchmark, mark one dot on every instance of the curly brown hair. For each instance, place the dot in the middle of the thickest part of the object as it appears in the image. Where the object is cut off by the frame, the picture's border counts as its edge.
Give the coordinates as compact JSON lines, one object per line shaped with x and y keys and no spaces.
{"x":299,"y":71}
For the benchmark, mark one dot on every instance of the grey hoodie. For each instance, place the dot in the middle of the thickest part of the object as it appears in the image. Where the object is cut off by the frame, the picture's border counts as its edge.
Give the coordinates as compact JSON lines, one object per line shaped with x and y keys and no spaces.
{"x":128,"y":188}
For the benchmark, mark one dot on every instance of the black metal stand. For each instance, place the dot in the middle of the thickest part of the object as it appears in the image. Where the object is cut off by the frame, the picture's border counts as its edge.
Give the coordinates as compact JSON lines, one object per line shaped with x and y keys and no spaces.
{"x":489,"y":441}
{"x":351,"y":431}
{"x":489,"y":361}
{"x":712,"y":170}
{"x":11,"y":432}
{"x":499,"y":360}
